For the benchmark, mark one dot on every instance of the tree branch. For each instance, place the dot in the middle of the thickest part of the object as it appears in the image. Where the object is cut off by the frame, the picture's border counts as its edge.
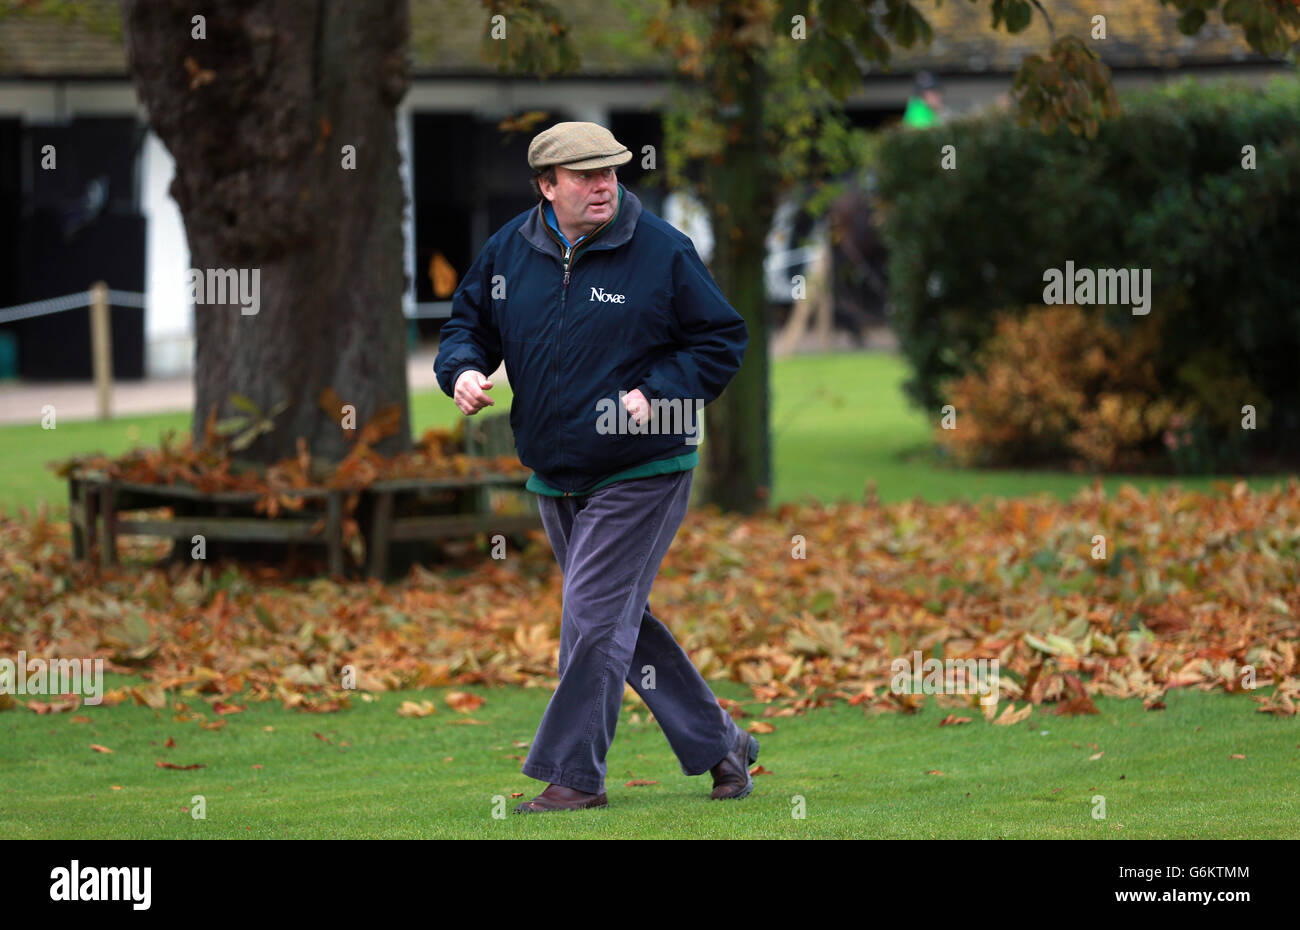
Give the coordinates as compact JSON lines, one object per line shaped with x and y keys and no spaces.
{"x":1051,"y":30}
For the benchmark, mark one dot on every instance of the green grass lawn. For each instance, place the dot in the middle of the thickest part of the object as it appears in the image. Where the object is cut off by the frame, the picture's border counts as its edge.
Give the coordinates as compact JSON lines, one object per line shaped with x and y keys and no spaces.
{"x":838,"y":420}
{"x":1162,"y":773}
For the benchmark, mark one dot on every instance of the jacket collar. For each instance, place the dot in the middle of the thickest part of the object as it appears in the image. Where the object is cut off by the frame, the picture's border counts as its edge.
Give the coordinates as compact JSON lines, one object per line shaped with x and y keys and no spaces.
{"x":614,"y":232}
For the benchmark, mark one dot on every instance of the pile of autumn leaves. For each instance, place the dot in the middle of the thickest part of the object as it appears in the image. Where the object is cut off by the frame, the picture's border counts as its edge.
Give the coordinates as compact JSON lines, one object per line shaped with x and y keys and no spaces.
{"x":1195,"y":590}
{"x":210,"y":466}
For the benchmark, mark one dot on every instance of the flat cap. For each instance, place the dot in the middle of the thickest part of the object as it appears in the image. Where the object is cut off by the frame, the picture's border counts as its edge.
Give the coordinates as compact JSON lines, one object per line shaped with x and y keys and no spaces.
{"x":577,"y":146}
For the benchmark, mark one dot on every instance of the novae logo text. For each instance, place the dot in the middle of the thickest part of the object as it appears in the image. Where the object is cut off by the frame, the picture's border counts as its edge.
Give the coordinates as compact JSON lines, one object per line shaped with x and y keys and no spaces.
{"x":598,"y":293}
{"x":103,"y":884}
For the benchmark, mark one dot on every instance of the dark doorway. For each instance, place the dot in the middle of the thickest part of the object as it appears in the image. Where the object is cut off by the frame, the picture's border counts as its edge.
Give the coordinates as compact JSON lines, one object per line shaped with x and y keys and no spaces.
{"x":80,"y":223}
{"x":637,"y":129}
{"x":469,"y":178}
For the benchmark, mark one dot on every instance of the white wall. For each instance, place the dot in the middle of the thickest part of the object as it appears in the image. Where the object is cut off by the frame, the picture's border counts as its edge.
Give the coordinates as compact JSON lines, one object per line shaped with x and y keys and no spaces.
{"x":168,"y":314}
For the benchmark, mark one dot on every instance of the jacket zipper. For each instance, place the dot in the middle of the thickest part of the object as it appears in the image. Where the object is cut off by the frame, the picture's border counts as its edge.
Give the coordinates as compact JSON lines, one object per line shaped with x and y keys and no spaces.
{"x":559,"y":329}
{"x":564,"y":296}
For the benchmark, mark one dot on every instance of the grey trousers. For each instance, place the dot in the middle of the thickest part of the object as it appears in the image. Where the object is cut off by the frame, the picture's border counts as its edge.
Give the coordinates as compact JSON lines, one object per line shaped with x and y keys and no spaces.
{"x":609,"y":545}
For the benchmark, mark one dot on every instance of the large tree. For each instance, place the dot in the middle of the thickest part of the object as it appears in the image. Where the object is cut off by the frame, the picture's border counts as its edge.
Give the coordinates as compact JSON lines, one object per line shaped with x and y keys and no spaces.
{"x":256,"y":101}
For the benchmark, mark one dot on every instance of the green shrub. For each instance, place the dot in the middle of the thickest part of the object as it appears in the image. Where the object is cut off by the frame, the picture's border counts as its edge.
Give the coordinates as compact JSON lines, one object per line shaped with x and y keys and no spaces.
{"x":1160,"y":187}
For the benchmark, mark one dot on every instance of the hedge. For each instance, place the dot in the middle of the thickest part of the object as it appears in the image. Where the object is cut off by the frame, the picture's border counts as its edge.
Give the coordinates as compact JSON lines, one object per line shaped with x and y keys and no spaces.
{"x":1161,"y":187}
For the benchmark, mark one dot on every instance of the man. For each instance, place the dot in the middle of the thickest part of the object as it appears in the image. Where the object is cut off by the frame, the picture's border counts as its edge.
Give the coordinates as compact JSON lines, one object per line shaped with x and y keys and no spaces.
{"x":595,"y":304}
{"x":925,"y":106}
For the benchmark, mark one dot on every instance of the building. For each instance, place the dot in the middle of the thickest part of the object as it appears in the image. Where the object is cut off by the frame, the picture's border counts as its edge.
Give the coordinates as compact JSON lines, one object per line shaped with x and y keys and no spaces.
{"x":106,"y":213}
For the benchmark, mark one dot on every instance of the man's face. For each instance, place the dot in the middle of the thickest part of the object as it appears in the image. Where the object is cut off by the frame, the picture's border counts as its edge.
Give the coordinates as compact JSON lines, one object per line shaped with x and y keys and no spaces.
{"x":582,"y":199}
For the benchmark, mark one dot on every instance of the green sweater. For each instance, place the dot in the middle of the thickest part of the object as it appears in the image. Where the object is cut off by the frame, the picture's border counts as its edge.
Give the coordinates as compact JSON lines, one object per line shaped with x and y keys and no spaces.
{"x":661,"y":467}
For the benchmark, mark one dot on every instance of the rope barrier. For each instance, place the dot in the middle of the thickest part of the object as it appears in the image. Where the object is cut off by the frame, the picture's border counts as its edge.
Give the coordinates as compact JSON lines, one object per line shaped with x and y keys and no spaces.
{"x":67,"y":302}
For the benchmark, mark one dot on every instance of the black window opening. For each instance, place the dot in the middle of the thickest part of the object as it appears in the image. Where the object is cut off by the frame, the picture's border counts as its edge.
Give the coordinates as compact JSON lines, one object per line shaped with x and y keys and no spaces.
{"x":468,"y":179}
{"x":72,"y":226}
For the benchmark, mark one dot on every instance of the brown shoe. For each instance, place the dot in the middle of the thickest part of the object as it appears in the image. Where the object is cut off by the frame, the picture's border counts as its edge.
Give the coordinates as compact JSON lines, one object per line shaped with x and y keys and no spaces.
{"x":731,"y":778}
{"x":560,"y":798}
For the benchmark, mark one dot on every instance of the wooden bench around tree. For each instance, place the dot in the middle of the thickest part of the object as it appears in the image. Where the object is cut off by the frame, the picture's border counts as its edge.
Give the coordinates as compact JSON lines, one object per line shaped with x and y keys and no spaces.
{"x":94,"y":499}
{"x":389,"y":511}
{"x":470,"y":506}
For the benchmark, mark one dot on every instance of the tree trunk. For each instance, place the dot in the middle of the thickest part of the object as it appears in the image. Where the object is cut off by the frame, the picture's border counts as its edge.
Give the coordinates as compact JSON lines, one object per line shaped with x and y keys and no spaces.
{"x":256,"y":115}
{"x":737,"y":452}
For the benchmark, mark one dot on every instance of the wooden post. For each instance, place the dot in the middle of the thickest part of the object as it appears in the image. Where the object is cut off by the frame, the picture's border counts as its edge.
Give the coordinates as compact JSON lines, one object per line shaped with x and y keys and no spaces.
{"x":76,"y":518}
{"x":108,"y":506}
{"x":378,"y":542}
{"x":334,"y":527}
{"x":824,"y":296}
{"x":101,"y":342}
{"x":90,"y":503}
{"x":787,"y":341}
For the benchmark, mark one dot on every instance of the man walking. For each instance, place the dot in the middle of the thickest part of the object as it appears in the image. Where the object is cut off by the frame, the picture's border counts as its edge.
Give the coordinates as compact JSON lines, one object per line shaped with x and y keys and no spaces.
{"x":611,"y":329}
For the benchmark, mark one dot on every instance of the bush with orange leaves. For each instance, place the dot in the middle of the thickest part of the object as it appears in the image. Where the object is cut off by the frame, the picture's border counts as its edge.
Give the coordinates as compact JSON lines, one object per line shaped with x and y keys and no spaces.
{"x":1057,"y":385}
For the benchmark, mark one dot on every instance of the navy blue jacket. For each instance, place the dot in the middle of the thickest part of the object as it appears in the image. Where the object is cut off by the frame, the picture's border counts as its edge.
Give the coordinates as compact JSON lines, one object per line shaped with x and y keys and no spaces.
{"x":634,"y":308}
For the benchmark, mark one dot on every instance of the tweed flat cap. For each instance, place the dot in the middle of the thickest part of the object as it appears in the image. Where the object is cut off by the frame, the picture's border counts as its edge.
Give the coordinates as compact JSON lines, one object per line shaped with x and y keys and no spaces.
{"x":577,"y":146}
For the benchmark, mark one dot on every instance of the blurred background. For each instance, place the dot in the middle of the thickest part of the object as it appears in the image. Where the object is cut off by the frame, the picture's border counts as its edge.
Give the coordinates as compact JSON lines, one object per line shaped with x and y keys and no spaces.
{"x":911,"y":267}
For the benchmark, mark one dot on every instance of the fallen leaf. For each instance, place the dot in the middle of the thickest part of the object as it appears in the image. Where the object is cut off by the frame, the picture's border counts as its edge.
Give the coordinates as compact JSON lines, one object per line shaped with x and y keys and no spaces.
{"x":1237,"y":755}
{"x":99,"y":748}
{"x":414,"y":709}
{"x":170,"y":743}
{"x":638,"y":782}
{"x":172,"y":765}
{"x":1095,"y":756}
{"x":759,"y":770}
{"x":463,"y":701}
{"x":953,"y":720}
{"x":54,"y":707}
{"x":934,"y":772}
{"x":759,"y":726}
{"x":1012,"y":716}
{"x":79,"y":718}
{"x":150,"y":696}
{"x":470,"y":720}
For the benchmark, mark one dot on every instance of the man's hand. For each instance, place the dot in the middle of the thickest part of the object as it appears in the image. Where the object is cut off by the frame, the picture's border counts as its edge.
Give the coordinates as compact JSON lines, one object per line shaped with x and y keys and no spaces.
{"x":469,"y":394}
{"x":637,"y":406}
